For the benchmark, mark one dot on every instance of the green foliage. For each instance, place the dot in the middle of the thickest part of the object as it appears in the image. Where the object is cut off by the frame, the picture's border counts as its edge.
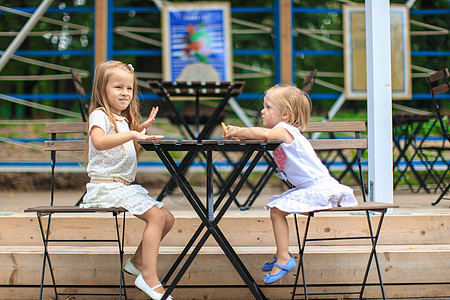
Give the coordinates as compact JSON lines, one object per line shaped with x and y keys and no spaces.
{"x":331,"y":22}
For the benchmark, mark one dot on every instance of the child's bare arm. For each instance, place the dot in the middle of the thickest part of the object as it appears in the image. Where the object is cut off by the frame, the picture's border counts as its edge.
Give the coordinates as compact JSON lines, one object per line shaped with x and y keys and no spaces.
{"x":258,"y":133}
{"x":102,"y":141}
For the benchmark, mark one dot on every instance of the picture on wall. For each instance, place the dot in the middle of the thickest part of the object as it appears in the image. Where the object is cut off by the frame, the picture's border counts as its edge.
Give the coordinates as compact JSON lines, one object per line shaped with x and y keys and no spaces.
{"x":197,"y":41}
{"x":355,"y":52}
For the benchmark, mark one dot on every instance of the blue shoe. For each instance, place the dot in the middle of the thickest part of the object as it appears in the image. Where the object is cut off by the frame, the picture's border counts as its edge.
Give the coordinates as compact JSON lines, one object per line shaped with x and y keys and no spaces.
{"x":268,"y":266}
{"x":284,"y":269}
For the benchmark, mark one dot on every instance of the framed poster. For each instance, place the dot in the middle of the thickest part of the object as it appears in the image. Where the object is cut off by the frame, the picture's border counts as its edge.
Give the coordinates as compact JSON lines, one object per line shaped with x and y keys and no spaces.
{"x":355,"y":52}
{"x":197,"y":41}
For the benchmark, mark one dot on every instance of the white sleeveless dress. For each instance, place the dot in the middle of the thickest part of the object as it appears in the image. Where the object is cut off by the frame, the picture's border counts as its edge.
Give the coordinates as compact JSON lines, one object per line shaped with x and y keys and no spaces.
{"x":314,"y":188}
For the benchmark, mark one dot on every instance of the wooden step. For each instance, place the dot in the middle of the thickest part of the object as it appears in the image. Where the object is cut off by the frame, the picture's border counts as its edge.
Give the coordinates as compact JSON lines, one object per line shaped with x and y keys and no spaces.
{"x":237,"y":293}
{"x":23,"y":229}
{"x":414,"y":254}
{"x":407,"y":270}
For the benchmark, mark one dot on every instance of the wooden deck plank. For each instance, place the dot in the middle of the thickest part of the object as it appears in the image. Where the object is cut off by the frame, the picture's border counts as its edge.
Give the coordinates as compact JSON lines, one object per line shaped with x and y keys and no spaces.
{"x":22,"y":228}
{"x":273,"y":293}
{"x":413,"y":264}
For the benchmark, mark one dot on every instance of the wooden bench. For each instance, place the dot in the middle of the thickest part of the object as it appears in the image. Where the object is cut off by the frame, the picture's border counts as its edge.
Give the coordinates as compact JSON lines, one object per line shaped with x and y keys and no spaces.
{"x":334,"y":143}
{"x":44,"y":213}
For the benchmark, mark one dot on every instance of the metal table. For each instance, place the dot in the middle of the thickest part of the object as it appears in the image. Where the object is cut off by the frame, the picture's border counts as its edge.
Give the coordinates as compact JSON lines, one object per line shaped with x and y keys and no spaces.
{"x":406,"y":128}
{"x":211,"y":213}
{"x":170,"y":91}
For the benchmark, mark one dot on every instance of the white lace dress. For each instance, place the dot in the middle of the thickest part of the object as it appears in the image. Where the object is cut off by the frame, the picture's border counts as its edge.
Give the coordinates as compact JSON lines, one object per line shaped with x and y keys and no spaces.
{"x":119,"y":162}
{"x":315,"y":189}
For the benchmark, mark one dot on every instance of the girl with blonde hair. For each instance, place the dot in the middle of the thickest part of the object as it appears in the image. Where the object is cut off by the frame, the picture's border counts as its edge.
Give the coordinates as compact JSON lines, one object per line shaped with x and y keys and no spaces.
{"x":113,"y":131}
{"x":285,"y":114}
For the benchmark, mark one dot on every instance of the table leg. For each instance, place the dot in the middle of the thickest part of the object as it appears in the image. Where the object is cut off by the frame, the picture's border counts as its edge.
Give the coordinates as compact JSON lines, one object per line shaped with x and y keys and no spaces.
{"x":217,"y":233}
{"x":206,"y":214}
{"x":184,"y":165}
{"x":236,"y":262}
{"x":171,"y":165}
{"x":209,"y":186}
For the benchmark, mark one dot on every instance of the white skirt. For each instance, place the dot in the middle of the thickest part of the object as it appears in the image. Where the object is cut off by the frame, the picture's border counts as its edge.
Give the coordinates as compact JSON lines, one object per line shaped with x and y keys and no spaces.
{"x":134,"y":198}
{"x":324,"y":193}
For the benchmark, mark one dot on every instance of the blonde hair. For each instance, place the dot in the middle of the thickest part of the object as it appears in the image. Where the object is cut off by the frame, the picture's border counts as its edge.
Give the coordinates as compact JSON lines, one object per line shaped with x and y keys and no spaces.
{"x":102,"y":74}
{"x":294,"y":102}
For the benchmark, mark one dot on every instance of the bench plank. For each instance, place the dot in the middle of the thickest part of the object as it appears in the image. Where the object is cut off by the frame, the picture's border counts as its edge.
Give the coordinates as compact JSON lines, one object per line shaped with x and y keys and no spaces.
{"x":58,"y":128}
{"x":76,"y":145}
{"x":358,"y":126}
{"x":439,"y":75}
{"x":339,"y":144}
{"x":72,"y":209}
{"x":363,"y":206}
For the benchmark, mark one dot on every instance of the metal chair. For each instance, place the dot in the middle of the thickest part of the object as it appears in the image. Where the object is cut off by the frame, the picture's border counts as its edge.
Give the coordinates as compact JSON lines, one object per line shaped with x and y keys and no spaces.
{"x":45,"y":213}
{"x":81,"y":94}
{"x":308,"y":82}
{"x":438,"y":83}
{"x":358,"y":144}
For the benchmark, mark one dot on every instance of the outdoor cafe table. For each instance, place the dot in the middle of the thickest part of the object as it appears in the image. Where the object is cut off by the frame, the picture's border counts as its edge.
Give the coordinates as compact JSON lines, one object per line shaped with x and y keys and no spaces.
{"x":170,"y":91}
{"x":407,"y":129}
{"x":211,"y":213}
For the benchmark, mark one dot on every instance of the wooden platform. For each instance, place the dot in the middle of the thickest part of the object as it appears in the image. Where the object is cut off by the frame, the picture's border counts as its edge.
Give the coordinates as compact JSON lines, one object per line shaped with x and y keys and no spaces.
{"x":414,"y":250}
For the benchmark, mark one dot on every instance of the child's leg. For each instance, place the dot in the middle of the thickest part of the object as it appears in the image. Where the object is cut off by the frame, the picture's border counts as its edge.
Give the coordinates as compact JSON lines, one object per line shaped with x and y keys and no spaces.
{"x":281,"y":233}
{"x":169,"y":221}
{"x":158,"y":223}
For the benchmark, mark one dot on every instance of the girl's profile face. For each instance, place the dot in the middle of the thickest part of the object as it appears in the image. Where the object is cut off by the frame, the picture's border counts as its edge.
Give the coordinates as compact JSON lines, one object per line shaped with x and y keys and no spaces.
{"x":271,"y":114}
{"x":119,"y":90}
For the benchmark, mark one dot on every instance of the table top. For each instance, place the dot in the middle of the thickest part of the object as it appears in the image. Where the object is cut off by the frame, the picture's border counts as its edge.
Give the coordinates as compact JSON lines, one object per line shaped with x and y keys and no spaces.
{"x":209,"y":145}
{"x":196,"y":88}
{"x":404,"y":118}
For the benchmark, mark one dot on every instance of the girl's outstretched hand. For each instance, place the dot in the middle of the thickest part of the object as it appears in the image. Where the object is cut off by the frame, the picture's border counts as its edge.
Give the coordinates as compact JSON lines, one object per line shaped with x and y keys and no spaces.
{"x":230,"y":131}
{"x":142,"y":136}
{"x":151,"y":118}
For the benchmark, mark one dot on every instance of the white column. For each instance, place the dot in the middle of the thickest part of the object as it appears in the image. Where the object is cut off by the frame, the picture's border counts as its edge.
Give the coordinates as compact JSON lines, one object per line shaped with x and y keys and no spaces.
{"x":379,"y":100}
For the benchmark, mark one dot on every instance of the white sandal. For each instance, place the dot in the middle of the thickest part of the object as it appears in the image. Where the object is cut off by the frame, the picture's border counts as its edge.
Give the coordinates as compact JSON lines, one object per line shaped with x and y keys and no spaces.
{"x":143,"y":286}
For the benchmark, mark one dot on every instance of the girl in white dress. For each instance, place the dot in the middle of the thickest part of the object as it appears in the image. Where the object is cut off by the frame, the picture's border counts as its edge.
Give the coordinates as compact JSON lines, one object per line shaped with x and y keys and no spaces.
{"x":112,"y":164}
{"x":286,"y":112}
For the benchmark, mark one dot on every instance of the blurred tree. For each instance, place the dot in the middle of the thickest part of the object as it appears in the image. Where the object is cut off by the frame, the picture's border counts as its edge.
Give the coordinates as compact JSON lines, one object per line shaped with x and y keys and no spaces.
{"x":61,"y":38}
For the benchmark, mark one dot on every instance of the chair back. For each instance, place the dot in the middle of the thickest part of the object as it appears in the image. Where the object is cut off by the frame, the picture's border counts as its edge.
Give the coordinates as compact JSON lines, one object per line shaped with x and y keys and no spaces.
{"x":335,"y":144}
{"x":308,"y":82}
{"x":57,"y":144}
{"x":438,"y":84}
{"x":79,"y":90}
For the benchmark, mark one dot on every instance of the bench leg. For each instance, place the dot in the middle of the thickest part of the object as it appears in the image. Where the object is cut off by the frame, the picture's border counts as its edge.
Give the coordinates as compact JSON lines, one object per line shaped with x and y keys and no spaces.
{"x":373,"y":254}
{"x":301,"y":251}
{"x":121,"y":244}
{"x":444,"y":192}
{"x":46,"y":259}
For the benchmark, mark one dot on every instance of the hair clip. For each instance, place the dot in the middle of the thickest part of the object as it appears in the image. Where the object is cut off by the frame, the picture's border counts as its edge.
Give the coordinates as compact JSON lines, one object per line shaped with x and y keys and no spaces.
{"x":131,"y":67}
